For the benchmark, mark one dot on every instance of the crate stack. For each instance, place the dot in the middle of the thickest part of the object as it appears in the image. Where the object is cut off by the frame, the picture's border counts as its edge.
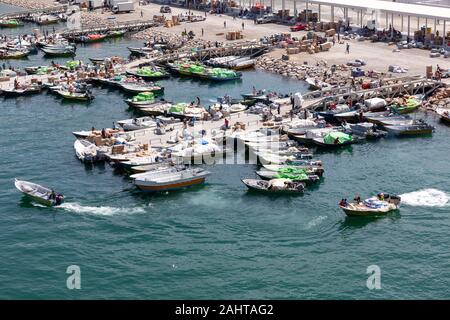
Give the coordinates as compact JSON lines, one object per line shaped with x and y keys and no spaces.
{"x":234,"y":35}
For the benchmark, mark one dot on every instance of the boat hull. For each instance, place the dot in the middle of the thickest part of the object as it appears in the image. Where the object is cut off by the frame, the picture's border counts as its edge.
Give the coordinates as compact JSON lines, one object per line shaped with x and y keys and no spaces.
{"x":365,"y":213}
{"x":170,"y":186}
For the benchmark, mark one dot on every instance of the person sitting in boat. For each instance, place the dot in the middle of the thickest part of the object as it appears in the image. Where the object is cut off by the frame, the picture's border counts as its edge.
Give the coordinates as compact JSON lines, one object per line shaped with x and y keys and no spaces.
{"x":343,"y":203}
{"x":16,"y":84}
{"x":357,"y":199}
{"x":52,"y":195}
{"x":381,"y":196}
{"x":104,"y":136}
{"x":59,"y":199}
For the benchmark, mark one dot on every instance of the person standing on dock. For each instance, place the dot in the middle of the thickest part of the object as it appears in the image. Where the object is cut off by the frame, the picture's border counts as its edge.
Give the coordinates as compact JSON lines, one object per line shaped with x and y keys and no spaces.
{"x":347,"y":48}
{"x":142,"y":14}
{"x":242,"y":25}
{"x":225,"y":24}
{"x":203,"y":32}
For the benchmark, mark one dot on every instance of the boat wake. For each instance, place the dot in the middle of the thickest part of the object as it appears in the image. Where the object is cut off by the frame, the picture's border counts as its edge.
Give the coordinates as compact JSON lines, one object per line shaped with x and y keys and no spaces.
{"x":315,"y":222}
{"x":426,"y":198}
{"x":102,"y":210}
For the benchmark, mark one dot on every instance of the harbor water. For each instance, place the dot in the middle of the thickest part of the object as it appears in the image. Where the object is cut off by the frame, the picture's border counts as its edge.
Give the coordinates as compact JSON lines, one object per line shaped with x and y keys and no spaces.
{"x":214,"y":241}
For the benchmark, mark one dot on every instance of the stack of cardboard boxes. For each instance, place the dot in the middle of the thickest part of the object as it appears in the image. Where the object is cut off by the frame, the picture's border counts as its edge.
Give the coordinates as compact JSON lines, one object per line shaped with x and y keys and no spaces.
{"x":234,"y":35}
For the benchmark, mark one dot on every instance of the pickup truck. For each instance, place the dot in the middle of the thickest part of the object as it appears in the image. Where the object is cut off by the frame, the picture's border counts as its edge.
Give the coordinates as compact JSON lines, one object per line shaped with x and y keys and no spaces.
{"x":266,"y":19}
{"x":298,"y":27}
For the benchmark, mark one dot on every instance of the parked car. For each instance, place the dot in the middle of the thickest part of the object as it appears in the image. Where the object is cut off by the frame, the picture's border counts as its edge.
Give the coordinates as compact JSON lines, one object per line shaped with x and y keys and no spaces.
{"x":446,"y":74}
{"x":266,"y":19}
{"x":299,"y":26}
{"x":165,"y":9}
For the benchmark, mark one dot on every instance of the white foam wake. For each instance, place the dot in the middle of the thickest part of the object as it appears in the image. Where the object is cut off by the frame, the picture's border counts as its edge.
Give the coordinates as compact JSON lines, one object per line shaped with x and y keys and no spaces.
{"x":315,"y":222}
{"x":102,"y":210}
{"x":426,"y":198}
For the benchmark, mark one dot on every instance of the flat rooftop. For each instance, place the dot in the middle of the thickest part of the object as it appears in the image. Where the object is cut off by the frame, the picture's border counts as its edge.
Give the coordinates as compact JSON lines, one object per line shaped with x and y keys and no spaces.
{"x":407,"y":9}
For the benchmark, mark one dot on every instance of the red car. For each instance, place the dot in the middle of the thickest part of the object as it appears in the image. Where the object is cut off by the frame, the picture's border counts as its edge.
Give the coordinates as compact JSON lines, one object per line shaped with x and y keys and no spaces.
{"x":298,"y":27}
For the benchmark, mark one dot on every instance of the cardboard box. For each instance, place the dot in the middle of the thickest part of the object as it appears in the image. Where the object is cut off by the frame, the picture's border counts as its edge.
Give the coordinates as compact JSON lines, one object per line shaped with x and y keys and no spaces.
{"x":330,"y":32}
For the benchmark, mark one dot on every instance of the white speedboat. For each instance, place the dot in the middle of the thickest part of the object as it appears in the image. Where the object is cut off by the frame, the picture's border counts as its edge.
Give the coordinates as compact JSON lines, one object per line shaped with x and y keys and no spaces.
{"x":85,"y":150}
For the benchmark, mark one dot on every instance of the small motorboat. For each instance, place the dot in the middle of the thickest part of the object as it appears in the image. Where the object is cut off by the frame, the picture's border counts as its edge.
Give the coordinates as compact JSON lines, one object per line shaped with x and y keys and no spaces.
{"x":444,"y":115}
{"x":92,"y":38}
{"x":301,"y":175}
{"x":366,"y":130}
{"x":274,"y":185}
{"x":47,"y":19}
{"x":335,"y":139}
{"x":22,"y":91}
{"x":10,"y":23}
{"x":140,"y":51}
{"x":137,"y":123}
{"x":13,"y":54}
{"x":151,"y":167}
{"x":115,"y":34}
{"x":375,"y":206}
{"x":148,"y":73}
{"x":156,"y":109}
{"x":317,"y":170}
{"x":59,"y":50}
{"x":418,"y":127}
{"x":157,"y":181}
{"x":138,"y":161}
{"x":80,"y":96}
{"x":137,"y":87}
{"x":85,"y":150}
{"x":41,"y":194}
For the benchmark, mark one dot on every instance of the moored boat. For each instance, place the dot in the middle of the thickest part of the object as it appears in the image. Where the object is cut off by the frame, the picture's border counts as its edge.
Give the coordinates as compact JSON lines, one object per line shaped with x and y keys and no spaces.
{"x":59,"y":50}
{"x":334,"y":139}
{"x":137,"y":123}
{"x":79,"y":96}
{"x":138,"y":87}
{"x":22,"y":90}
{"x":149,"y":73}
{"x":418,"y":127}
{"x":172,"y":180}
{"x":85,"y":151}
{"x":274,"y":186}
{"x":10,"y":23}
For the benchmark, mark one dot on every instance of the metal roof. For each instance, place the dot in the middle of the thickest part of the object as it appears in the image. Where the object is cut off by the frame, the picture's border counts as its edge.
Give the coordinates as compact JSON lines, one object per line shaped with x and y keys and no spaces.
{"x":406,"y":9}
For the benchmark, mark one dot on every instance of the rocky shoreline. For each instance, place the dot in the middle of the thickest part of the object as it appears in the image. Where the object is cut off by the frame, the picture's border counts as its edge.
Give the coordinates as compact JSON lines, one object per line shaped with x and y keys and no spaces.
{"x":173,"y":40}
{"x":340,"y":76}
{"x":28,"y":4}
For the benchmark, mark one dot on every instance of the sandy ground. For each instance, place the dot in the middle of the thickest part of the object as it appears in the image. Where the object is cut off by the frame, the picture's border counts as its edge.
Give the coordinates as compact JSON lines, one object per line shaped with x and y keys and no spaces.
{"x":377,"y":55}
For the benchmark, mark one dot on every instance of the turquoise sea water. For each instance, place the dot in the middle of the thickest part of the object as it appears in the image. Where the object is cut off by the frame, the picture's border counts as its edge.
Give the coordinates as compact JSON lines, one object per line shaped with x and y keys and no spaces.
{"x":216,"y":241}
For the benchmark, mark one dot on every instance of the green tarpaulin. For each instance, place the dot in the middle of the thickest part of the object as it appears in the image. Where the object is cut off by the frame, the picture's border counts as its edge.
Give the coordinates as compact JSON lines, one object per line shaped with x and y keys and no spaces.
{"x":179,"y":107}
{"x":149,"y":72}
{"x":291,"y":173}
{"x":331,"y":137}
{"x":144,"y":96}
